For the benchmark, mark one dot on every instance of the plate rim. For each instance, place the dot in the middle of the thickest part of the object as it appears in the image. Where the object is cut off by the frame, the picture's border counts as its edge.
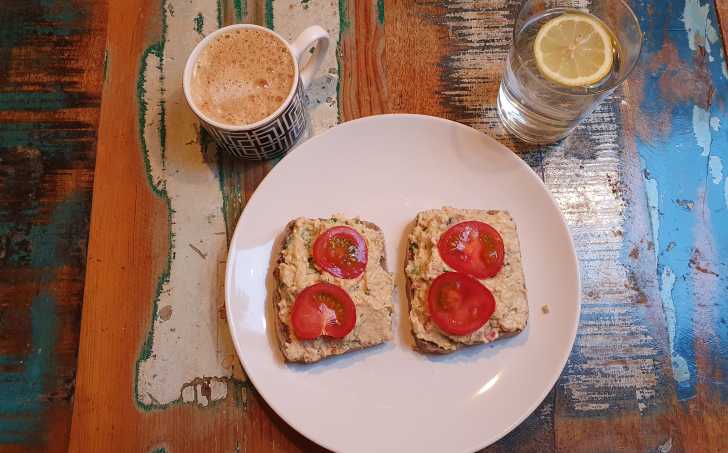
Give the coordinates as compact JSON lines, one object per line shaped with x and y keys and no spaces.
{"x":385,"y":117}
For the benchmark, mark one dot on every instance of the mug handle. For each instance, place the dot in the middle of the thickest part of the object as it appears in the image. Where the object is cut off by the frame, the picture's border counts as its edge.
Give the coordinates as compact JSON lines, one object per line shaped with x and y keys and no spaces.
{"x":313,"y":35}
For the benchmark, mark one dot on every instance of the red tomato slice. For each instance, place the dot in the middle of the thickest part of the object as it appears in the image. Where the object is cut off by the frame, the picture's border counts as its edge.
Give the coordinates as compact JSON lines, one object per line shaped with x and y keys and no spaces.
{"x":459,"y":304}
{"x":341,"y":251}
{"x":474,"y":248}
{"x":323,"y":309}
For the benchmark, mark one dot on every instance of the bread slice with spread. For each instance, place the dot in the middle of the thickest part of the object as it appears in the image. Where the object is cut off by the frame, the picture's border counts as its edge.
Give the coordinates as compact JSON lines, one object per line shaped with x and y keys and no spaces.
{"x":465,"y":279}
{"x":333,"y":291}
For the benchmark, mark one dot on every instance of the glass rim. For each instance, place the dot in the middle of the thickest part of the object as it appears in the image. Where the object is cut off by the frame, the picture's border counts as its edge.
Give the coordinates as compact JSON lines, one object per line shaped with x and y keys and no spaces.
{"x":627,"y":72}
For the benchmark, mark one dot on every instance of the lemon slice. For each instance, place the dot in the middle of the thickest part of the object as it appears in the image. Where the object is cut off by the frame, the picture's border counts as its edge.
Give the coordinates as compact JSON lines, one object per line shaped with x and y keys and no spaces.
{"x":574,"y":50}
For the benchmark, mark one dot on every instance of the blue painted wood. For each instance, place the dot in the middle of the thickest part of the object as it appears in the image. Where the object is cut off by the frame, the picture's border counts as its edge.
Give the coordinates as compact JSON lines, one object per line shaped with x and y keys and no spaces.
{"x":687,"y":189}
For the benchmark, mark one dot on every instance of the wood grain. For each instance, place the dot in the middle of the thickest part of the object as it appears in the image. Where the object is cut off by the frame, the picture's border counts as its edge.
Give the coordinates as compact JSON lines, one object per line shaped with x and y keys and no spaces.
{"x":722,"y":10}
{"x":413,"y":56}
{"x":362,"y":86}
{"x":623,"y":387}
{"x":51,"y":71}
{"x":122,"y":277}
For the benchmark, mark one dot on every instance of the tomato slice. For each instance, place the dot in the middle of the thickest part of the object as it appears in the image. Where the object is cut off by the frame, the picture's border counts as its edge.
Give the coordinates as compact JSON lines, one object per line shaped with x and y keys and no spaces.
{"x":459,"y":304}
{"x":474,"y":248}
{"x":323,"y":309}
{"x":341,"y":251}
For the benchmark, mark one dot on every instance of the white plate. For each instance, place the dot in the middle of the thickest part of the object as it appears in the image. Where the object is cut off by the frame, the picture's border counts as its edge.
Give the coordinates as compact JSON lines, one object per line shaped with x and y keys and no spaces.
{"x":389,"y":398}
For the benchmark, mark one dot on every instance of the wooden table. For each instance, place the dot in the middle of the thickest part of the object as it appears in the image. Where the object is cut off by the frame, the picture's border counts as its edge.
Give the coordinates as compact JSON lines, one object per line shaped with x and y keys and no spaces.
{"x":642,"y":184}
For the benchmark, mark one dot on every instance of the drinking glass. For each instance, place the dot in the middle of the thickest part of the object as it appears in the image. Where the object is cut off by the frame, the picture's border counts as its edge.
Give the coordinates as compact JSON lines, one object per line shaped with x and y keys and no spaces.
{"x":538,"y":110}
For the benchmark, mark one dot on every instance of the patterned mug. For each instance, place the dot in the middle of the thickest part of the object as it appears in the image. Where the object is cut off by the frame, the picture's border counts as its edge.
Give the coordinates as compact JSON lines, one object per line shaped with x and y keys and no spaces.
{"x":276,"y":134}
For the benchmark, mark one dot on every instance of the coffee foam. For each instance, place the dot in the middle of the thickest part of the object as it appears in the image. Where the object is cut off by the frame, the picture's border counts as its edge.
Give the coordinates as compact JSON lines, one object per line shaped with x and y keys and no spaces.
{"x":242,"y":77}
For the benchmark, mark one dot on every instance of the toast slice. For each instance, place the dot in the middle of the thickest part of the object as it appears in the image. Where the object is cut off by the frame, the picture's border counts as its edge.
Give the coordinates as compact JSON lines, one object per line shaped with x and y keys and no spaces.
{"x":371,"y":292}
{"x":424,"y":264}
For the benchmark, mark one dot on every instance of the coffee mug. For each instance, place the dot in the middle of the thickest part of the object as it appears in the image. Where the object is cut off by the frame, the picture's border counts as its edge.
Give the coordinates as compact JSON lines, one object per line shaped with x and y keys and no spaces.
{"x":276,"y":134}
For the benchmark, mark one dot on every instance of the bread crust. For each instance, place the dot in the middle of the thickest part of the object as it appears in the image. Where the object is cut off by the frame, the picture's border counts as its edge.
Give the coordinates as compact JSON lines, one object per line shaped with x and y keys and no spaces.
{"x":428,"y":347}
{"x":282,"y":330}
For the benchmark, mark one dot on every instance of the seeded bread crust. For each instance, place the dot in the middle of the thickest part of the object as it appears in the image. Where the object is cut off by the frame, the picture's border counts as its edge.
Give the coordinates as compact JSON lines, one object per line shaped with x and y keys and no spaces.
{"x":421,"y":344}
{"x":283,"y":330}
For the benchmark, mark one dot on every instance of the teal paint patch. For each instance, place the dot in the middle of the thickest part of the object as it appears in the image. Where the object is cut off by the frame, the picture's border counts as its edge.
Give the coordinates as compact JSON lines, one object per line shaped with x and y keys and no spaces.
{"x":220,"y":16}
{"x":24,"y":395}
{"x":380,"y":12}
{"x":56,"y":97}
{"x":344,"y":23}
{"x":199,"y":21}
{"x":61,"y":142}
{"x":46,"y":250}
{"x":269,"y":14}
{"x":65,"y":14}
{"x":158,"y":450}
{"x":343,"y":26}
{"x":52,"y":100}
{"x":48,"y":29}
{"x":240,"y":8}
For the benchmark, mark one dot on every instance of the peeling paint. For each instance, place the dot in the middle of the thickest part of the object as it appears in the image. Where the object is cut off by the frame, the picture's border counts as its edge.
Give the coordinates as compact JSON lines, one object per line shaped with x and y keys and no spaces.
{"x":188,"y":394}
{"x":699,"y":27}
{"x":686,"y":163}
{"x":716,"y":169}
{"x":289,"y":18}
{"x":653,"y":206}
{"x":194,"y":342}
{"x":679,"y":364}
{"x":202,"y":399}
{"x":666,"y":447}
{"x":715,"y":123}
{"x":701,"y":129}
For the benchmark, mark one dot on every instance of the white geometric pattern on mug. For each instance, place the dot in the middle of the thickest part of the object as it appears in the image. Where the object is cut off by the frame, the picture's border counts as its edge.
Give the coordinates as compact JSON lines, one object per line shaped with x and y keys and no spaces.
{"x":269,"y":141}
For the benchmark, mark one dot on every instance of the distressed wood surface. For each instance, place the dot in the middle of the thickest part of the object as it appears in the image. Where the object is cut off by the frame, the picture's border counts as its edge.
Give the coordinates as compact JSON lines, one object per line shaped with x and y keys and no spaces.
{"x":51,"y":70}
{"x":641,"y":183}
{"x":721,"y":7}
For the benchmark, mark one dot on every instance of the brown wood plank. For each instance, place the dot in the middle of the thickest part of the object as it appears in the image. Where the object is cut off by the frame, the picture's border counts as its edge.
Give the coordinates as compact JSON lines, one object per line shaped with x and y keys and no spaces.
{"x":413,"y":51}
{"x":363,"y":89}
{"x":119,"y":290}
{"x":721,"y":7}
{"x":118,"y":302}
